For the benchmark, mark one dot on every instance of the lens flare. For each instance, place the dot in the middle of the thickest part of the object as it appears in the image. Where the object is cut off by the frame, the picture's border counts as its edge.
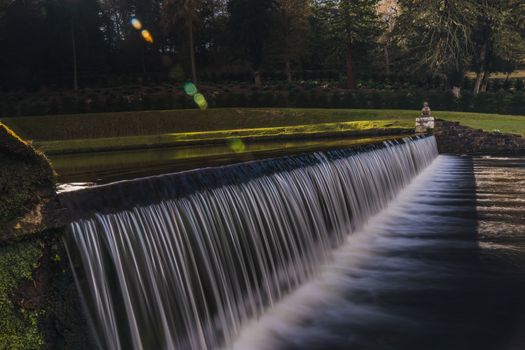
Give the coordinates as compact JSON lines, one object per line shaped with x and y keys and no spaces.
{"x":190,"y":89}
{"x":200,"y":100}
{"x":136,"y":23}
{"x":237,"y":145}
{"x":147,"y":36}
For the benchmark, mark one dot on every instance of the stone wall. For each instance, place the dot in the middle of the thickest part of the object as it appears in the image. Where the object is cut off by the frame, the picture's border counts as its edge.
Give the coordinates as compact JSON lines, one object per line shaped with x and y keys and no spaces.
{"x":453,"y":137}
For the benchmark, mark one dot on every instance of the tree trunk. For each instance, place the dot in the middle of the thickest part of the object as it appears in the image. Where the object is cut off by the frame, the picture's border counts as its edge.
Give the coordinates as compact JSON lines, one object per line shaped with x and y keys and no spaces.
{"x":143,"y":63}
{"x":387,"y":61}
{"x":74,"y":49}
{"x":481,"y":73}
{"x":191,"y":47}
{"x":477,"y":84}
{"x":257,"y":78}
{"x":288,"y":71}
{"x":485,"y":81}
{"x":350,"y":80}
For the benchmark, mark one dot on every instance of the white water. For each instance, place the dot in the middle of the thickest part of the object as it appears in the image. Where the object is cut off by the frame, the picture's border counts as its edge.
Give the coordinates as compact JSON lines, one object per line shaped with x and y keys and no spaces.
{"x":193,"y":271}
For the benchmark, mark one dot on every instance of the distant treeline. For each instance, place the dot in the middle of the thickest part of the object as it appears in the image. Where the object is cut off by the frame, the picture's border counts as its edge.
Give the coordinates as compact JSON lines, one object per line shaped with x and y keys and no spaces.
{"x":58,"y":44}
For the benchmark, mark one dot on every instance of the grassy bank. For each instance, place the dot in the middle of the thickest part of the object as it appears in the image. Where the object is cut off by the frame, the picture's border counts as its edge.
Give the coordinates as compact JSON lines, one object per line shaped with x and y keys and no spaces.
{"x":358,"y":128}
{"x":105,"y":125}
{"x":104,"y":131}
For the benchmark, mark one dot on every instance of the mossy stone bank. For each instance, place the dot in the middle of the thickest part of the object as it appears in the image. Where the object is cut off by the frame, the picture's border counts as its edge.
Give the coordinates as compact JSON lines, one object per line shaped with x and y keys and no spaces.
{"x":39,"y":305}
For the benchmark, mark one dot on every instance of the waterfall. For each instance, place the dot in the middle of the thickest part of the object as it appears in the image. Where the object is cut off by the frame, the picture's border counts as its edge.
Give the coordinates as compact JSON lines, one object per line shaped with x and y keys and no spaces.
{"x":185,"y":260}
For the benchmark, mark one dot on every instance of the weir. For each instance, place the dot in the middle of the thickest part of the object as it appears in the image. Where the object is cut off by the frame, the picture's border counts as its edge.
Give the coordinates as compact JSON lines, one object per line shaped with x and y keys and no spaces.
{"x":186,"y":260}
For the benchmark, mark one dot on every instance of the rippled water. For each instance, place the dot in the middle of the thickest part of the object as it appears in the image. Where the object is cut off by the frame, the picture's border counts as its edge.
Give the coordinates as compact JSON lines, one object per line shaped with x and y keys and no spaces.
{"x":441,"y":268}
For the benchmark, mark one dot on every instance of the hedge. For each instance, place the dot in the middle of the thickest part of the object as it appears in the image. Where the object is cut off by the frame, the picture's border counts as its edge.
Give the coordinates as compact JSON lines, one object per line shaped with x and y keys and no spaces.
{"x":501,"y":102}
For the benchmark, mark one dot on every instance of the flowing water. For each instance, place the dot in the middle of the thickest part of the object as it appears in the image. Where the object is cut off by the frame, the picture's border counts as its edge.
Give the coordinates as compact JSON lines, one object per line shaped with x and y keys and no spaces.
{"x":192,"y":266}
{"x":443,"y":267}
{"x":290,"y":254}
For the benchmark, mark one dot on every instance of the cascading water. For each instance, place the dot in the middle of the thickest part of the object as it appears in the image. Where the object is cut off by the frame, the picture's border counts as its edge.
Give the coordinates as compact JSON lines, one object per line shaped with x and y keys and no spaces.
{"x":185,"y":260}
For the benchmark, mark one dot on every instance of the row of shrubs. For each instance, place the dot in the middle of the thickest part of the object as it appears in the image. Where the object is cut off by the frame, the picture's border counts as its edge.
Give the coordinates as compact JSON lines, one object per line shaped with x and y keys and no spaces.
{"x":487,"y":102}
{"x":313,"y":77}
{"x":381,"y":82}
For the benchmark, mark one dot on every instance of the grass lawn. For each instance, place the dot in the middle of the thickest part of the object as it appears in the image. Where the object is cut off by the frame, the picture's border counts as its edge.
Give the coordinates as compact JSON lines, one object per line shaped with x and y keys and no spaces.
{"x":102,"y":131}
{"x":188,"y":138}
{"x":519,"y":74}
{"x":101,"y":125}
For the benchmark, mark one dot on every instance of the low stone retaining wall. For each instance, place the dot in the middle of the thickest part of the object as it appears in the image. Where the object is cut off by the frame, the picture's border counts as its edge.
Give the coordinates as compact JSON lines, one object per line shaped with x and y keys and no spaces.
{"x":455,"y":138}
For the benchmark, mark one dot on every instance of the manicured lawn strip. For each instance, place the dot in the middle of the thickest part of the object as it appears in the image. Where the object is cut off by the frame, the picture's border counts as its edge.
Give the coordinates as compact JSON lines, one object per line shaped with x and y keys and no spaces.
{"x":514,"y":124}
{"x":519,"y":74}
{"x":86,"y":126}
{"x":105,"y":125}
{"x":173,"y":139}
{"x":133,"y":130}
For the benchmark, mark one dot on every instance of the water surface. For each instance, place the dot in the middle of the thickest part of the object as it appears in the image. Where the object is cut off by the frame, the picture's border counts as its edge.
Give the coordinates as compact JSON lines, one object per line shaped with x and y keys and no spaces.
{"x":105,"y":167}
{"x":441,"y":268}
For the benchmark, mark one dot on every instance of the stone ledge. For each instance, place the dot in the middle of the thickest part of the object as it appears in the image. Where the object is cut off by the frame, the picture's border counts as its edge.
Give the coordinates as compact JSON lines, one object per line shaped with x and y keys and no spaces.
{"x":452,"y":137}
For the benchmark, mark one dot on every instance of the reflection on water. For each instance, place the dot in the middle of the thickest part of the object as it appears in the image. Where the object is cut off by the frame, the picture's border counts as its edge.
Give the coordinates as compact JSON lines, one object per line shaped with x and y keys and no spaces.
{"x":441,"y":268}
{"x":104,"y":167}
{"x":501,"y":199}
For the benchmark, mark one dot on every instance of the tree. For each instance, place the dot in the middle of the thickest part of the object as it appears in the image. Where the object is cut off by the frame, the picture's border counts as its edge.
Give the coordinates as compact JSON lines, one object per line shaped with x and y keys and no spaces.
{"x":354,"y":26}
{"x":289,"y":32}
{"x":249,"y":30}
{"x":498,"y":39}
{"x":212,"y":41}
{"x":388,"y":11}
{"x":38,"y":40}
{"x":185,"y":12}
{"x":115,"y":17}
{"x":437,"y":36}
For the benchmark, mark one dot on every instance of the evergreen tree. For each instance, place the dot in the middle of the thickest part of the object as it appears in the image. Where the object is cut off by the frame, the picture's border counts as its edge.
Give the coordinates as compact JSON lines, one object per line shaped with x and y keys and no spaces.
{"x":289,"y":32}
{"x":249,"y":25}
{"x":354,"y":27}
{"x":186,"y":13}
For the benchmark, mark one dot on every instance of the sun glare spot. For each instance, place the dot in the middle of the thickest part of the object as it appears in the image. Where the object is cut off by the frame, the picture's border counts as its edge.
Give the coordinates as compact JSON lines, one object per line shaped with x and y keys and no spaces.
{"x":190,"y":89}
{"x":237,"y":146}
{"x":136,"y":23}
{"x":147,"y":36}
{"x":200,"y":100}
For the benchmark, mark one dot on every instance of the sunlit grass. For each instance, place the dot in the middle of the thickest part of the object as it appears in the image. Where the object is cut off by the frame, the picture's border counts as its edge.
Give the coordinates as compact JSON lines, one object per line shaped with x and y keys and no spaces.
{"x":133,"y":130}
{"x":519,"y":74}
{"x":172,"y":139}
{"x":106,"y":125}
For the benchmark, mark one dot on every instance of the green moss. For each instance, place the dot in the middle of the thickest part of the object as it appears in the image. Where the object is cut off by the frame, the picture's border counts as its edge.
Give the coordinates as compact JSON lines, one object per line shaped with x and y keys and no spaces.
{"x":24,"y":174}
{"x":18,"y":180}
{"x":18,"y":327}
